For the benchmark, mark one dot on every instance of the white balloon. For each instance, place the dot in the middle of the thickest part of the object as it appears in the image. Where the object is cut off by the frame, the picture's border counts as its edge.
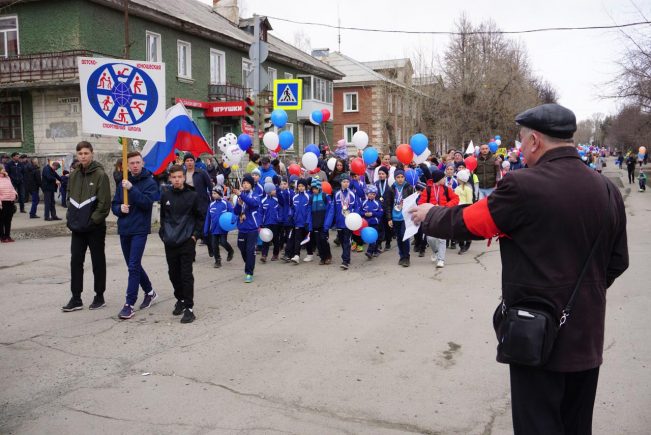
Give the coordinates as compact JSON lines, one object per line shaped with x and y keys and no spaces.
{"x":421,"y":158}
{"x":234,"y":154}
{"x":332,"y":162}
{"x":498,"y":142}
{"x":360,"y":140}
{"x":271,"y":140}
{"x":266,"y":235}
{"x":310,"y":161}
{"x":223,"y":143}
{"x":231,"y":138}
{"x":353,"y":222}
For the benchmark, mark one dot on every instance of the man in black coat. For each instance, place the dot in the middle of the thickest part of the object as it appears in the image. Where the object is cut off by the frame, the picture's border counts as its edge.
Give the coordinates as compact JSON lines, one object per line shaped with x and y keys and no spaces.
{"x":200,"y":181}
{"x":33,"y":186}
{"x":50,"y":184}
{"x":16,"y":171}
{"x":545,"y":239}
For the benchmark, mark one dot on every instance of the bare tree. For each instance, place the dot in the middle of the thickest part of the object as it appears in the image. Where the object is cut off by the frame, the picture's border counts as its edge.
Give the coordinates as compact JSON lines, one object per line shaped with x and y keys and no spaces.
{"x":302,"y":41}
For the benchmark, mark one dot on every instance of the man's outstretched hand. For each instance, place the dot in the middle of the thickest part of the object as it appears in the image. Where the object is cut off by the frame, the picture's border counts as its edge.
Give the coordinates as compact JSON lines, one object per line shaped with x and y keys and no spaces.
{"x":419,"y":213}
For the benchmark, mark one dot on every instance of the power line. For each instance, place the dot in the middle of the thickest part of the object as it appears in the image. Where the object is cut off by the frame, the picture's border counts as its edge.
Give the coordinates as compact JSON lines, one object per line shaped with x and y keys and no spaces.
{"x":477,"y":32}
{"x":10,"y":5}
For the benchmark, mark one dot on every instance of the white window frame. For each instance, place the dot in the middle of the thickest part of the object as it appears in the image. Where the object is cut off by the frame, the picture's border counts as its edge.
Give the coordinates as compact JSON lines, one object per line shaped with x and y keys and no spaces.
{"x":159,"y":47}
{"x":188,"y":65}
{"x":15,"y":17}
{"x":273,"y":75}
{"x":346,"y":136}
{"x":8,"y":142}
{"x":249,"y":67}
{"x":350,"y":109}
{"x":221,"y":56}
{"x":289,"y":76}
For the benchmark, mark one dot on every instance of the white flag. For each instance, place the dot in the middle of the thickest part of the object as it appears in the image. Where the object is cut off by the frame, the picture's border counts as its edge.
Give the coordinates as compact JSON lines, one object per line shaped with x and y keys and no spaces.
{"x":470,"y":149}
{"x":518,"y":144}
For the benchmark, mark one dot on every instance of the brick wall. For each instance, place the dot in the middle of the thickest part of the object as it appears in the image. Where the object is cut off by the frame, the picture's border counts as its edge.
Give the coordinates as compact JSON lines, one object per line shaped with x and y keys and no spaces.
{"x":363,"y":117}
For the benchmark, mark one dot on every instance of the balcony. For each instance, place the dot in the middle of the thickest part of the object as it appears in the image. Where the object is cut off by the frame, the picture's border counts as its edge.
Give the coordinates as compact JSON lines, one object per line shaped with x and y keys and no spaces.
{"x":228,"y":92}
{"x":42,"y":67}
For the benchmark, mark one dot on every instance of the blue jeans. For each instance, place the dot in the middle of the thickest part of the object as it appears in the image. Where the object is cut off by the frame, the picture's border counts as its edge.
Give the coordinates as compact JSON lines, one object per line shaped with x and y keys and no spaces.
{"x":403,"y":247}
{"x":247,"y":243}
{"x":133,"y":248}
{"x":344,"y":235}
{"x":485,"y":193}
{"x":35,"y":201}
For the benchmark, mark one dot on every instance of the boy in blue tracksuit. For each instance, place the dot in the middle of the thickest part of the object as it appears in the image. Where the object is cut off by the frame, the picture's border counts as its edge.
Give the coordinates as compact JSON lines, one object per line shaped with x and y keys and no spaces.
{"x":302,"y":224}
{"x":319,"y":204}
{"x":249,"y":220}
{"x":357,"y":185}
{"x":211,"y":228}
{"x":285,"y":195}
{"x":258,"y":188}
{"x":344,"y":203}
{"x":372,"y":211}
{"x":271,"y":219}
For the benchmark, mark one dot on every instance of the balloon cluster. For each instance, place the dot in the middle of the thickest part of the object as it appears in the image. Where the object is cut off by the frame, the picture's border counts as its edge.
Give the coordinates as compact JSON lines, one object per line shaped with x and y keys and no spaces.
{"x":417,"y":150}
{"x":230,"y":146}
{"x":359,"y":227}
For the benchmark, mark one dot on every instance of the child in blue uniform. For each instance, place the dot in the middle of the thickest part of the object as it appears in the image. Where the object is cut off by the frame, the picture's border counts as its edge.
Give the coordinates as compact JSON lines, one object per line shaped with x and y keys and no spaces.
{"x":319,"y":204}
{"x":285,"y":195}
{"x":372,"y":212}
{"x":344,"y":203}
{"x":302,"y":224}
{"x":271,"y":219}
{"x":211,"y":228}
{"x":249,"y":220}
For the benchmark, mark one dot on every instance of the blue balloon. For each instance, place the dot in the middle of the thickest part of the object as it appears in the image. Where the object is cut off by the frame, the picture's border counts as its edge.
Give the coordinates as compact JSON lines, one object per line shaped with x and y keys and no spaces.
{"x":244,"y":141}
{"x":286,"y":139}
{"x":498,"y":137}
{"x":370,"y":155}
{"x":582,"y":153}
{"x":369,"y":235}
{"x":227,"y":221}
{"x":316,"y":117}
{"x":492,"y":146}
{"x":313,"y":149}
{"x":279,"y":118}
{"x":411,"y":177}
{"x":418,"y":143}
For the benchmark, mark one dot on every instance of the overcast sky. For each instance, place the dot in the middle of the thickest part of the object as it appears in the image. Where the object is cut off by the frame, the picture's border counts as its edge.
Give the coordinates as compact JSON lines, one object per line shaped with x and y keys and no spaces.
{"x":577,"y":63}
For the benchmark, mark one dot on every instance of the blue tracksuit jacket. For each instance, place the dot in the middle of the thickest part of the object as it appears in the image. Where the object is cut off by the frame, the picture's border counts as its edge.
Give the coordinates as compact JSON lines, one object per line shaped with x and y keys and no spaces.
{"x":270,"y":211}
{"x":215,"y":210}
{"x":301,"y":212}
{"x":373,"y":207}
{"x":251,"y":211}
{"x":335,"y":217}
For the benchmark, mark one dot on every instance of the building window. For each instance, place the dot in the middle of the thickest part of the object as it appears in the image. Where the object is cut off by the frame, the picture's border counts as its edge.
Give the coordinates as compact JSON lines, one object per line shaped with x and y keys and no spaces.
{"x":217,"y":67}
{"x":308,"y":134}
{"x":307,"y":87}
{"x":289,"y":76}
{"x":322,"y":90}
{"x":11,"y":123}
{"x":184,"y":50}
{"x":8,"y":36}
{"x":349,"y":131}
{"x":247,"y":77}
{"x":273,"y":75}
{"x":350,"y":102}
{"x":153,"y":42}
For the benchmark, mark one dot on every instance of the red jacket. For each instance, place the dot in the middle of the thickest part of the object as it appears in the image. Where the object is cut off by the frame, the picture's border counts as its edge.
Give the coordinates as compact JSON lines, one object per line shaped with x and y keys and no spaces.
{"x":437,"y":195}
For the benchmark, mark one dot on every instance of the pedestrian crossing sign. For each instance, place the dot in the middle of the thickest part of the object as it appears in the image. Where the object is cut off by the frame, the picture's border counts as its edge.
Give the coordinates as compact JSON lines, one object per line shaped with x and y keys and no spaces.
{"x":288,"y":94}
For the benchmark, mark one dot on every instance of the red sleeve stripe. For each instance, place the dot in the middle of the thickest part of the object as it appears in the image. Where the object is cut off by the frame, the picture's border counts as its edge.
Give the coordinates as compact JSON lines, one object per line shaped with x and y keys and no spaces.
{"x":478,"y":220}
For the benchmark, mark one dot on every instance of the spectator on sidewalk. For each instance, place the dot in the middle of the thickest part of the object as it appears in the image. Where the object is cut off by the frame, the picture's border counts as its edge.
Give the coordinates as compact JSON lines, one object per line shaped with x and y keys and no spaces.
{"x":8,"y":197}
{"x":50,"y":183}
{"x":16,"y":171}
{"x":33,"y":185}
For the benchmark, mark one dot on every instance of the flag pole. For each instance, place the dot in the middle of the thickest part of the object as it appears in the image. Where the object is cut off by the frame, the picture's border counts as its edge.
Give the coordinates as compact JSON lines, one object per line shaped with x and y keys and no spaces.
{"x":125,"y":170}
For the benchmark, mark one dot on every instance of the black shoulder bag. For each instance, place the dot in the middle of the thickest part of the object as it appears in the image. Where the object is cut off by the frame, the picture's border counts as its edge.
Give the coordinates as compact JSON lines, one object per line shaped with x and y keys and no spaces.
{"x":527,"y":329}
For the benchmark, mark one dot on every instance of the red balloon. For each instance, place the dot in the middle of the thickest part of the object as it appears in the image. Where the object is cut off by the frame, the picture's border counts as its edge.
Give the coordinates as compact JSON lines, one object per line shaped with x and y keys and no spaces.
{"x":278,"y":150}
{"x":358,"y":232}
{"x":357,"y":166}
{"x":326,"y":187}
{"x":471,"y":163}
{"x":404,"y":154}
{"x":294,"y":169}
{"x":315,"y":170}
{"x":326,"y":115}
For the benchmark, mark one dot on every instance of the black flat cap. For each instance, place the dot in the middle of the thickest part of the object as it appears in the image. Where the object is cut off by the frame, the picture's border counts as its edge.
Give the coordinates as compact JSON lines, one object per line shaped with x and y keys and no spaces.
{"x":550,"y":119}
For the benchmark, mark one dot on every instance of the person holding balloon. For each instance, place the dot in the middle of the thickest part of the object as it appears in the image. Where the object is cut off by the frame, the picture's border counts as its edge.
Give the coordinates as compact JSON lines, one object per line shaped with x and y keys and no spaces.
{"x":285,"y":195}
{"x":393,"y":213}
{"x":357,"y":185}
{"x":249,"y":219}
{"x":344,"y":204}
{"x":372,"y":211}
{"x":302,"y":224}
{"x":319,"y":203}
{"x":213,"y":230}
{"x":271,"y":219}
{"x":383,"y":187}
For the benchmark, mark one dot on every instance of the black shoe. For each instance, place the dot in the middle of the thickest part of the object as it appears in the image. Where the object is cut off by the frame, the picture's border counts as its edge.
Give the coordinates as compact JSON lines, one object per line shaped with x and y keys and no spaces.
{"x":23,"y":211}
{"x":98,"y":302}
{"x":401,"y":261}
{"x":33,"y":216}
{"x":218,"y":264}
{"x":405,"y":262}
{"x":188,"y":316}
{"x":47,"y":219}
{"x":178,"y":308}
{"x":73,"y":305}
{"x":56,"y":218}
{"x":344,"y":266}
{"x":229,"y":257}
{"x":369,"y":255}
{"x":421,"y":253}
{"x":387,"y":247}
{"x":463,"y":250}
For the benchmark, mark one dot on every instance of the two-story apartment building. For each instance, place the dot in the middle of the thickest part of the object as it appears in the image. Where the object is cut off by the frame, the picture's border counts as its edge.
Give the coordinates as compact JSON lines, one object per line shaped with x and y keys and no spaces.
{"x":376,"y":97}
{"x":205,"y":50}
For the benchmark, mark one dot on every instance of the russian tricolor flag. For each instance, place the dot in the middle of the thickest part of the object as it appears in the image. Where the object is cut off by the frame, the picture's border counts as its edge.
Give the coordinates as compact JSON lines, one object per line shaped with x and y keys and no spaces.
{"x":181,"y":134}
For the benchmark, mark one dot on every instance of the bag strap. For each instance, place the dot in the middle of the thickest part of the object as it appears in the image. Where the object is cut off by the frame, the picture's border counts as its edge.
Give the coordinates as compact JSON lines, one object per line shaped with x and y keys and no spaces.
{"x":570,"y":304}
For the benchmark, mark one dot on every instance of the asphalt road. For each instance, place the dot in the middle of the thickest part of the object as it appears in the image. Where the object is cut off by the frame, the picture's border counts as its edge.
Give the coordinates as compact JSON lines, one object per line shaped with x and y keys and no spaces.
{"x":305,"y":349}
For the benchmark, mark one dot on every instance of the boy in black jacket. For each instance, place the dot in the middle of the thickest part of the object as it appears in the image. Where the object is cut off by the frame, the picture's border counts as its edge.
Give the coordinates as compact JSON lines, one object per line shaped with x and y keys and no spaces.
{"x":180,"y":227}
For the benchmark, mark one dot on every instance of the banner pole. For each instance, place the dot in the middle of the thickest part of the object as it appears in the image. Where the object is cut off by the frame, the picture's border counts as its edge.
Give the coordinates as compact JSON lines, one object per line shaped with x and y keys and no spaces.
{"x":125,"y":170}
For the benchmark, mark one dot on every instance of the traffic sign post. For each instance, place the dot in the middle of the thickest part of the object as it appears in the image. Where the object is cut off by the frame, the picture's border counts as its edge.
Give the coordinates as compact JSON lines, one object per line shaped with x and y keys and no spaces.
{"x":288,"y":94}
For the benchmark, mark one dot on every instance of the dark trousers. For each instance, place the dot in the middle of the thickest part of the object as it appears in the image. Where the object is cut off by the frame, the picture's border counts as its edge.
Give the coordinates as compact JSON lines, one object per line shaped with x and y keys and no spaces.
{"x":344,"y":237}
{"x":93,"y":240}
{"x":50,"y":205}
{"x":403,"y":247}
{"x":62,"y":194}
{"x":6,"y":215}
{"x":35,"y":201}
{"x":373,"y":247}
{"x":276,"y":230}
{"x":464,"y":243}
{"x":387,"y":232}
{"x":322,"y":245}
{"x":631,"y":175}
{"x":642,"y":184}
{"x":179,"y":269}
{"x":294,"y":243}
{"x":133,"y":248}
{"x":420,"y":241}
{"x":20,"y":188}
{"x":284,"y":236}
{"x":247,"y":242}
{"x":217,"y":240}
{"x":549,"y":403}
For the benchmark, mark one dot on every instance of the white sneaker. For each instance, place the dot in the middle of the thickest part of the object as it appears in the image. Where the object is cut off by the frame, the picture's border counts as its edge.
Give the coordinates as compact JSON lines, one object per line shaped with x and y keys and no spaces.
{"x":440,"y":264}
{"x":433,"y":258}
{"x":308,"y":258}
{"x":296,"y":259}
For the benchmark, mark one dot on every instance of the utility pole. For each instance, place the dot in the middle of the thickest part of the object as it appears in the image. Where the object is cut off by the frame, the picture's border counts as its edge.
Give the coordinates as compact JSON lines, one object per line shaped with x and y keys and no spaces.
{"x":258,"y":53}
